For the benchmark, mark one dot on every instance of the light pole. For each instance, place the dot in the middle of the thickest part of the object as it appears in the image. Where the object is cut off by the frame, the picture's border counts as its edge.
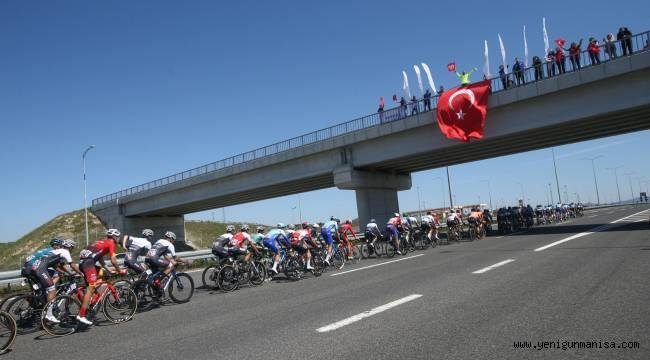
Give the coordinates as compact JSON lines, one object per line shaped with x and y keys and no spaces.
{"x":618,"y":190}
{"x":419,"y":202}
{"x":523,"y":194}
{"x":489,"y":191}
{"x":442,"y":191}
{"x":83,"y":160}
{"x":557,"y":182}
{"x":593,"y":168}
{"x":451,"y":202}
{"x":629,"y":178}
{"x":550,"y":190}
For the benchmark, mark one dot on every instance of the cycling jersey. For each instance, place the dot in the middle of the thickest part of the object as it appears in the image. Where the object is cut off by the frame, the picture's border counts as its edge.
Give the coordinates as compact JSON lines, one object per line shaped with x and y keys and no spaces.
{"x":298,"y":235}
{"x":412,"y":221}
{"x":137,"y":246}
{"x":161,"y":248}
{"x":56,"y":257}
{"x":395,"y":221}
{"x":273,"y":238}
{"x":452,"y":217}
{"x":331,"y":226}
{"x":257,"y":238}
{"x":239,"y":239}
{"x":97,"y":250}
{"x":34,"y":260}
{"x":427,"y":219}
{"x":345,"y":230}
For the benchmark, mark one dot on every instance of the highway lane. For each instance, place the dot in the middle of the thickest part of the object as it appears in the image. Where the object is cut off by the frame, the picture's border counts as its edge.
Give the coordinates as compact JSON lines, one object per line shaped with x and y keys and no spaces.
{"x":591,"y":287}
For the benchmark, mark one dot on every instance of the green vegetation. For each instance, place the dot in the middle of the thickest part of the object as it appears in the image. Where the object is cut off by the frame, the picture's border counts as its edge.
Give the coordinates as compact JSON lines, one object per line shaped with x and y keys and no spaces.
{"x":199,"y":235}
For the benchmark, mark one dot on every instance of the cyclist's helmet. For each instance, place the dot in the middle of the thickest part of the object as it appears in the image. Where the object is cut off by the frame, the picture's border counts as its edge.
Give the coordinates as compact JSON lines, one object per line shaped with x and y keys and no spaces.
{"x":56,"y":242}
{"x":112,"y":232}
{"x":315,"y":225}
{"x":332,"y":218}
{"x":68,"y":243}
{"x":230,"y":228}
{"x":260,"y":229}
{"x":405,"y":214}
{"x":373,"y":220}
{"x":291,"y":227}
{"x":396,"y":214}
{"x":280,"y":226}
{"x":244,"y":227}
{"x":147,"y":233}
{"x":170,"y":235}
{"x":305,"y":225}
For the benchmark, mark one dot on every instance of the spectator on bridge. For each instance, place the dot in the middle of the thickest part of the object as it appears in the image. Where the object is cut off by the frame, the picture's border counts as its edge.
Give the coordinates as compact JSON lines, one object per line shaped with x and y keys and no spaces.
{"x":402,"y":107}
{"x":625,"y":37}
{"x":441,"y":90}
{"x":518,"y":72}
{"x":537,"y":64}
{"x":610,"y":46}
{"x":560,"y":60}
{"x":550,"y":63}
{"x":464,"y":77}
{"x":574,"y":54}
{"x":414,"y":105}
{"x":503,"y":76}
{"x":380,"y":110}
{"x":594,"y":51}
{"x":427,"y":100}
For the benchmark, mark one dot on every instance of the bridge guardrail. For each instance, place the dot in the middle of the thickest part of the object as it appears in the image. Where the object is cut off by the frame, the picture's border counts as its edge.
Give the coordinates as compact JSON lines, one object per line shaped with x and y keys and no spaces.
{"x":639,"y":42}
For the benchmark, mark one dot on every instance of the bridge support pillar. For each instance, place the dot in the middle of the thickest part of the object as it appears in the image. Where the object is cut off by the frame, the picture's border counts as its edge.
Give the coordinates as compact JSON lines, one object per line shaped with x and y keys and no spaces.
{"x":376,"y":192}
{"x":112,"y":217}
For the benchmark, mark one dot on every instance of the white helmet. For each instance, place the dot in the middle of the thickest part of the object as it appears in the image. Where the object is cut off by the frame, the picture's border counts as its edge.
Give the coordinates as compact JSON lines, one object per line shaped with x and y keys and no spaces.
{"x":112,"y":232}
{"x":68,"y":243}
{"x":170,"y":235}
{"x":147,"y":233}
{"x":230,"y":228}
{"x":244,"y":227}
{"x":280,"y":226}
{"x":291,"y":227}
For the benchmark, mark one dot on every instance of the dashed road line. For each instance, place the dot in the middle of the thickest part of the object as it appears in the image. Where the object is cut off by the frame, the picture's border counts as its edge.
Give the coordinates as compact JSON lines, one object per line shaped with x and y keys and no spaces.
{"x":365,"y":314}
{"x":486,"y":269}
{"x":380,"y":264}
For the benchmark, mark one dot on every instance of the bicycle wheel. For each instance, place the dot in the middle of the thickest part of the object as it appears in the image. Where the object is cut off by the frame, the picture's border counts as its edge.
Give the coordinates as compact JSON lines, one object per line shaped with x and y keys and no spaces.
{"x":7,"y":331}
{"x":22,"y":309}
{"x":338,"y":259}
{"x":472,"y":234}
{"x":389,"y":249}
{"x":292,"y":269}
{"x":181,"y":288}
{"x":318,"y":264}
{"x":65,"y":308}
{"x":356,"y":253}
{"x":364,"y":251}
{"x":145,"y":295}
{"x":6,"y":301}
{"x":227,"y":278}
{"x":256,"y":273}
{"x":119,"y":306}
{"x":209,"y":277}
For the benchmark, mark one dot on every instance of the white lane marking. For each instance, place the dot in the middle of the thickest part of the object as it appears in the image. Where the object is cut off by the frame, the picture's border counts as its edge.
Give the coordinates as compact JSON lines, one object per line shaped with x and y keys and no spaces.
{"x":592,"y":216}
{"x":365,"y":314}
{"x":193,"y":271}
{"x":498,"y":237}
{"x":486,"y":269}
{"x":633,"y":215}
{"x":372,"y":266}
{"x":597,"y":229}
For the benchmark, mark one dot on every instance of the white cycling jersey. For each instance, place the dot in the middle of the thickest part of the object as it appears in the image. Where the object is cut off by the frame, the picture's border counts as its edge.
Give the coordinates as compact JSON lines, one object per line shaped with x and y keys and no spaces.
{"x":371,"y":226}
{"x":427,"y":219}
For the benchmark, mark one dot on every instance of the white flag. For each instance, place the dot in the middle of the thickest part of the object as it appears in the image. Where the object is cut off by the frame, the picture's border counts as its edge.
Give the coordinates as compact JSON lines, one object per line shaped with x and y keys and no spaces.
{"x":525,"y":49}
{"x":486,"y":66}
{"x":503,"y":54}
{"x":417,"y":73}
{"x":546,"y":47}
{"x":406,"y":88}
{"x":432,"y":85}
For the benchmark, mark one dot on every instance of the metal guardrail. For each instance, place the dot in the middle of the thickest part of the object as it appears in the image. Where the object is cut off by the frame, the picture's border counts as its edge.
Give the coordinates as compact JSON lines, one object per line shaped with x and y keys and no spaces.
{"x":639,"y":43}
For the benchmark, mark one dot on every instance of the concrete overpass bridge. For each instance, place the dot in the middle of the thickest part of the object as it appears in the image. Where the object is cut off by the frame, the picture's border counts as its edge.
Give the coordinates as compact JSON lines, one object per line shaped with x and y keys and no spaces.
{"x":375,"y":155}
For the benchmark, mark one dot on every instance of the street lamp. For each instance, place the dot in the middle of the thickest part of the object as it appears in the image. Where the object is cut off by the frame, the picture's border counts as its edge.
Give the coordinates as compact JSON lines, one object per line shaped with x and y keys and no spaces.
{"x":523,"y":194}
{"x":442,"y":191}
{"x":629,"y":178}
{"x":557,"y":182}
{"x":451,"y":202}
{"x":593,"y":168}
{"x":419,"y":201}
{"x":489,"y":191}
{"x":83,"y":160}
{"x":618,"y":190}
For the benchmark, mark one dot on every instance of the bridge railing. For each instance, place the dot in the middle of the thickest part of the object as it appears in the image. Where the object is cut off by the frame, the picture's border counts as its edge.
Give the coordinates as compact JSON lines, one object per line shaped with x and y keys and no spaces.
{"x":639,"y":43}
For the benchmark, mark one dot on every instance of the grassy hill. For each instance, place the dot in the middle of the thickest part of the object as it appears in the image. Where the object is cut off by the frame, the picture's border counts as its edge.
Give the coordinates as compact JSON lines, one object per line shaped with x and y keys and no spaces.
{"x":198,"y":234}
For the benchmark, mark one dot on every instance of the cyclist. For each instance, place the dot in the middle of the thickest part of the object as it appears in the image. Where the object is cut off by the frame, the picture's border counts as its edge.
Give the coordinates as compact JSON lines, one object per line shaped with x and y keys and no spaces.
{"x":452,"y":219}
{"x":258,"y":236}
{"x":476,"y":219}
{"x":44,"y":267}
{"x":241,"y":241}
{"x":272,"y":241}
{"x":392,"y":227}
{"x":410,"y":224}
{"x":299,"y":240}
{"x":372,"y":233}
{"x":429,"y":227}
{"x":136,"y":247}
{"x":88,"y":257}
{"x":328,"y":231}
{"x":346,"y":229}
{"x":487,"y":220}
{"x":162,"y":256}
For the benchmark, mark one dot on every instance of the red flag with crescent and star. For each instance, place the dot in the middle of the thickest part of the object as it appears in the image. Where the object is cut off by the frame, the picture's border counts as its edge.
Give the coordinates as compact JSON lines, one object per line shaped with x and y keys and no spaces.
{"x":461,"y":111}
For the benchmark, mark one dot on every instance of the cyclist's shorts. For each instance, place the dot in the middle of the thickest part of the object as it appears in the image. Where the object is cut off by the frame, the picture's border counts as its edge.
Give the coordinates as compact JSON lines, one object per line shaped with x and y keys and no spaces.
{"x":392,"y":230}
{"x":327,"y":236}
{"x":426,"y":227}
{"x":90,"y":271}
{"x":158,"y":263}
{"x":220,"y":251}
{"x":272,"y":244}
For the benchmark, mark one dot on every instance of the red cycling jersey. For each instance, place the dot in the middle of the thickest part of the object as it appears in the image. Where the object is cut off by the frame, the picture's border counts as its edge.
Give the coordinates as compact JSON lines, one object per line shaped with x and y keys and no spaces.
{"x":395,"y":221}
{"x":298,"y":235}
{"x":239,"y":238}
{"x":97,"y":250}
{"x":344,"y":230}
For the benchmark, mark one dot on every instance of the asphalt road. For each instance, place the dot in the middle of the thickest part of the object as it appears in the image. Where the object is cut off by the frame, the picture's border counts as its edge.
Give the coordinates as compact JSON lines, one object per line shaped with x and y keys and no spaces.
{"x":451,"y":302}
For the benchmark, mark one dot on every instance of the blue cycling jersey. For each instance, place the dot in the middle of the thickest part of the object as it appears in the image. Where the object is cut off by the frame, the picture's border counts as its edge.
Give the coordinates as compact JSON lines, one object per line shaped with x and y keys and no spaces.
{"x":331,"y":225}
{"x":34,"y":259}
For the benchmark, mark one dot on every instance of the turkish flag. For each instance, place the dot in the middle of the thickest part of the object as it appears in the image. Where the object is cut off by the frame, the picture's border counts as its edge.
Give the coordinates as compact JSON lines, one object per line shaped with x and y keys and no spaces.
{"x":451,"y":66}
{"x":461,"y":111}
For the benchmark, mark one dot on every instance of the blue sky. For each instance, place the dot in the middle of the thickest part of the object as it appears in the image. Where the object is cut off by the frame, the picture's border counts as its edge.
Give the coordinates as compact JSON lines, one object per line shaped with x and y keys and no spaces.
{"x":164,"y":86}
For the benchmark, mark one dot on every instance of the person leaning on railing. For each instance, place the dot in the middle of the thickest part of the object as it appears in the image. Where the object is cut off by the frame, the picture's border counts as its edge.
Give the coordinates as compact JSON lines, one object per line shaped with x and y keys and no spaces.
{"x":624,"y":35}
{"x":610,"y":45}
{"x":594,"y":51}
{"x":537,"y":65}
